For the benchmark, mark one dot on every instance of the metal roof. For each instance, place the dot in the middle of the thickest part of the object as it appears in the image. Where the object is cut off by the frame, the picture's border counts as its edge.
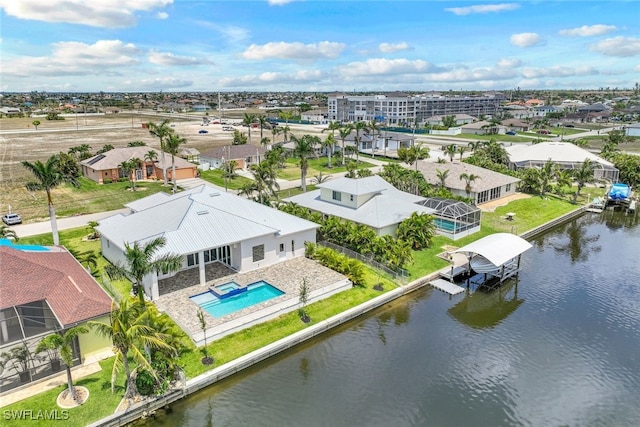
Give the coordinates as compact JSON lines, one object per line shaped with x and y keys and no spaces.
{"x":205,"y":218}
{"x":389,"y":206}
{"x":559,"y":152}
{"x":498,"y":248}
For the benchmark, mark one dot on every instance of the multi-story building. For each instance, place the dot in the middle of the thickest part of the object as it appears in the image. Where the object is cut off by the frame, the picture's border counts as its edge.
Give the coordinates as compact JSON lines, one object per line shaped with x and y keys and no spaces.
{"x":402,"y":109}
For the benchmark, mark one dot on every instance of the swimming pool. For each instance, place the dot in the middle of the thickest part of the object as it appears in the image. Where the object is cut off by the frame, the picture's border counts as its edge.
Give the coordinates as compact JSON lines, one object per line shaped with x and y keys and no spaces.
{"x":444,"y":224}
{"x":230,"y":297}
{"x":7,"y":242}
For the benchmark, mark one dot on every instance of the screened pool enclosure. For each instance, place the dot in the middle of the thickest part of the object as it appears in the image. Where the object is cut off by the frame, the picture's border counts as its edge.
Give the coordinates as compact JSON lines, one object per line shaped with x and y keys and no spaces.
{"x":453,"y":219}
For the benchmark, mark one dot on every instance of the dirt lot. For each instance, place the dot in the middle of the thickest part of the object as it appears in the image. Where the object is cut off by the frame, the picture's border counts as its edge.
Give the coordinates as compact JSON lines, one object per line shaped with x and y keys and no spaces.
{"x":19,"y":141}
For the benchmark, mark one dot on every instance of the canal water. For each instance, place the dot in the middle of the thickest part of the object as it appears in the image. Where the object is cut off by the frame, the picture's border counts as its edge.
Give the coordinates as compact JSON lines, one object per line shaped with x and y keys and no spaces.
{"x":561,"y":346}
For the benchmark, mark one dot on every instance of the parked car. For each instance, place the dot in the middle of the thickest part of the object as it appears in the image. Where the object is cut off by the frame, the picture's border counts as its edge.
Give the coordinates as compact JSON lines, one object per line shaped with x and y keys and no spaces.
{"x":227,"y":128}
{"x":544,"y":132}
{"x":203,"y":131}
{"x":11,"y":219}
{"x":569,"y":125}
{"x":511,"y":132}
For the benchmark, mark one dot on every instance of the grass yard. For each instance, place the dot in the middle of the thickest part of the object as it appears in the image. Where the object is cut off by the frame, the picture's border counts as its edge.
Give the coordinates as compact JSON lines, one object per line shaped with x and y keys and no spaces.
{"x":291,"y":172}
{"x":215,"y":177}
{"x":89,"y":197}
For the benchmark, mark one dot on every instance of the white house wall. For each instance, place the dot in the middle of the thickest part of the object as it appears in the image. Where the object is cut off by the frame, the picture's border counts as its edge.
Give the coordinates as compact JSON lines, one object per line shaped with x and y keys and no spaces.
{"x":272,"y":253}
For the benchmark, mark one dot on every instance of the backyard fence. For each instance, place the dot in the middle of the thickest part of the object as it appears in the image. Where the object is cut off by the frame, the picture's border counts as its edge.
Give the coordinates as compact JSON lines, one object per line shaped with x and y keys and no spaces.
{"x":401,"y":275}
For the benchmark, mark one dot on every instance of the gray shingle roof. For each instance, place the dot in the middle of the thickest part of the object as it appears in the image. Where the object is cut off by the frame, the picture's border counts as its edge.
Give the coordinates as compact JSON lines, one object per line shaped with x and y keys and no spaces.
{"x":488,"y":179}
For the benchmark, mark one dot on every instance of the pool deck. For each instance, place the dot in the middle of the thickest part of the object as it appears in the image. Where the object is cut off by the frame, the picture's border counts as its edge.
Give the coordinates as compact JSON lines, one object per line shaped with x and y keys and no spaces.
{"x":286,"y":276}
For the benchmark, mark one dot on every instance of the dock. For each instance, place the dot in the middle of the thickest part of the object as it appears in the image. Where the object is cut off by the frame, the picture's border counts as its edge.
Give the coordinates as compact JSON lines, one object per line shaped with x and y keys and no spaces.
{"x":452,"y":272}
{"x":446,"y":286}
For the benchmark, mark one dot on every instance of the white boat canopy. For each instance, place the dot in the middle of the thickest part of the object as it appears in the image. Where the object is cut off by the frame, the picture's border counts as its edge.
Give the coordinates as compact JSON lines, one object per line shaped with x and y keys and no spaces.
{"x":498,"y":248}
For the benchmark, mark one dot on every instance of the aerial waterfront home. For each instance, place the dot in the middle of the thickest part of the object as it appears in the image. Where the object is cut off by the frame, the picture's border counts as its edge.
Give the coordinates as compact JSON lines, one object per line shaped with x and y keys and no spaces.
{"x":45,"y":290}
{"x":371,"y":201}
{"x":105,"y":167}
{"x":564,"y":154}
{"x":208,"y":228}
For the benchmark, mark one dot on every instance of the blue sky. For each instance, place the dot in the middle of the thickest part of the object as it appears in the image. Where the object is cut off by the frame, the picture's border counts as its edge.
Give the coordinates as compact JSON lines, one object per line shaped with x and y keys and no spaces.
{"x":281,"y":45}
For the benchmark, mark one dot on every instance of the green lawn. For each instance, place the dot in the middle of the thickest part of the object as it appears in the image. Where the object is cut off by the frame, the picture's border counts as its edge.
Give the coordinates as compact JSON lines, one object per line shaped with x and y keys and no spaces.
{"x":291,"y":171}
{"x":89,"y":197}
{"x":215,"y":176}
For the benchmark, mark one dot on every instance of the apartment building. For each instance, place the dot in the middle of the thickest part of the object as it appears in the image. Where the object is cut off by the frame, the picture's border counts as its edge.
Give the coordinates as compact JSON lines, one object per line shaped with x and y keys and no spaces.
{"x":399,"y":108}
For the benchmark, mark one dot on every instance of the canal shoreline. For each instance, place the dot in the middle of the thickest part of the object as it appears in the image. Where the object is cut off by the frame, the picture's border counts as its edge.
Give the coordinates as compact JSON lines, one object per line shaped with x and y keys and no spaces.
{"x":149,"y":407}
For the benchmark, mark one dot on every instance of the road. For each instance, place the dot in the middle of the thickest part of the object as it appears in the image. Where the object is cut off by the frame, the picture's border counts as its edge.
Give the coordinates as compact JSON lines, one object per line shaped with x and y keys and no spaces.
{"x":25,"y":230}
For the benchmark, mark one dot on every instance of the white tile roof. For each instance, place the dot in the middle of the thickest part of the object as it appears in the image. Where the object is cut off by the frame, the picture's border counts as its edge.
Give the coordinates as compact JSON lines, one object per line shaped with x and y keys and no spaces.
{"x":390,"y":206}
{"x":203,"y":218}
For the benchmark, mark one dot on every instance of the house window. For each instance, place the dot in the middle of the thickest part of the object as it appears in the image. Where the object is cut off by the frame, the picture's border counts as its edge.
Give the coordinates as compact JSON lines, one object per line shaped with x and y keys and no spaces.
{"x":281,"y":247}
{"x":351,"y":197}
{"x":507,"y":188}
{"x":336,"y":195}
{"x":193,"y":259}
{"x":258,"y":253}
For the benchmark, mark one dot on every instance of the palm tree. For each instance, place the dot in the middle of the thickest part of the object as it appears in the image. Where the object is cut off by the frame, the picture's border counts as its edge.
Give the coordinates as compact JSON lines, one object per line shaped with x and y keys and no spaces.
{"x":344,"y":132}
{"x":264,"y":181}
{"x":421,"y":153}
{"x":62,"y":344}
{"x":151,"y":156}
{"x":417,"y":230}
{"x":547,"y":174}
{"x":451,"y":150}
{"x":461,"y":151}
{"x":142,"y":260}
{"x":262,"y":121}
{"x":129,"y":331}
{"x":304,"y":147}
{"x":248,"y":120}
{"x":161,"y":130}
{"x":358,"y":127}
{"x":7,"y":233}
{"x":172,"y":145}
{"x":328,"y":143}
{"x":48,"y":176}
{"x":468,"y":178}
{"x":474,"y":145}
{"x":128,"y":168}
{"x":285,"y":131}
{"x":583,"y":175}
{"x":442,"y":176}
{"x":275,"y":131}
{"x":373,"y":127}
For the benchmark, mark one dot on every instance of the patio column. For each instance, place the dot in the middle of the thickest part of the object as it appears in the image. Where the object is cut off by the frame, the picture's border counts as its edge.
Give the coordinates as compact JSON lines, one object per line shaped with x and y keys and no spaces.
{"x":201,"y":269}
{"x":155,"y":292}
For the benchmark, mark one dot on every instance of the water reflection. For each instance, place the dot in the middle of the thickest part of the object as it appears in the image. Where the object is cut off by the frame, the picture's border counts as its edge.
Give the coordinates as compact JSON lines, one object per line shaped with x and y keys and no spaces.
{"x":574,"y":238}
{"x":487,"y":308}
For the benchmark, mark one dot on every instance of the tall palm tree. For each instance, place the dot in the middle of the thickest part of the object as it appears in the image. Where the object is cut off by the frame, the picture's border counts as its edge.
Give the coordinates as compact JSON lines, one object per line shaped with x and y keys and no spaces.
{"x":359,"y":127}
{"x":303,"y":149}
{"x":275,"y":131}
{"x":468,"y":178}
{"x":172,"y":144}
{"x":161,"y":130}
{"x":442,"y":176}
{"x":373,"y":128}
{"x":262,"y":121}
{"x":142,"y":260}
{"x":461,"y":151}
{"x":583,"y":176}
{"x":248,"y":120}
{"x":129,"y":331}
{"x":344,"y":132}
{"x":62,"y":344}
{"x":547,"y":174}
{"x":264,"y":181}
{"x":48,"y":176}
{"x":7,"y":233}
{"x":285,"y":131}
{"x":329,"y":142}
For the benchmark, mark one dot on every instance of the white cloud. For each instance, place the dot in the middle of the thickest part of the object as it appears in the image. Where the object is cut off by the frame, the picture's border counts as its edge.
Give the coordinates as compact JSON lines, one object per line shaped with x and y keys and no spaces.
{"x":162,"y":15}
{"x":279,"y":2}
{"x":157,"y":84}
{"x":274,"y":78}
{"x":588,"y":30}
{"x":382,"y":66}
{"x":618,"y":46}
{"x":558,"y":71}
{"x":475,"y":75}
{"x":393,"y":47}
{"x":296,"y":50}
{"x":482,"y":8}
{"x":230,"y":32}
{"x":509,"y":63}
{"x":75,"y":58}
{"x":167,"y":58}
{"x":96,"y":13}
{"x":525,"y":39}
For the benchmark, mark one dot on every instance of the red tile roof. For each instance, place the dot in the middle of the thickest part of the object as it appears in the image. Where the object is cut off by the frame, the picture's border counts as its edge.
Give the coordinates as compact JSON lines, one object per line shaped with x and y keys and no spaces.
{"x":54,"y":276}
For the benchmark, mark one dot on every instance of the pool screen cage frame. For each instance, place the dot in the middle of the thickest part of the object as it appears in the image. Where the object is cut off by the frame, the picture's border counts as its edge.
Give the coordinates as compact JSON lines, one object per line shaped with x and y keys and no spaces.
{"x":463,"y":215}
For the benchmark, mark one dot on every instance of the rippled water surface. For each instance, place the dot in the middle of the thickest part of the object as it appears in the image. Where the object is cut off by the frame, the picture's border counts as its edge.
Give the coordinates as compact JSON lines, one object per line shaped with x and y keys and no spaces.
{"x":560,"y":347}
